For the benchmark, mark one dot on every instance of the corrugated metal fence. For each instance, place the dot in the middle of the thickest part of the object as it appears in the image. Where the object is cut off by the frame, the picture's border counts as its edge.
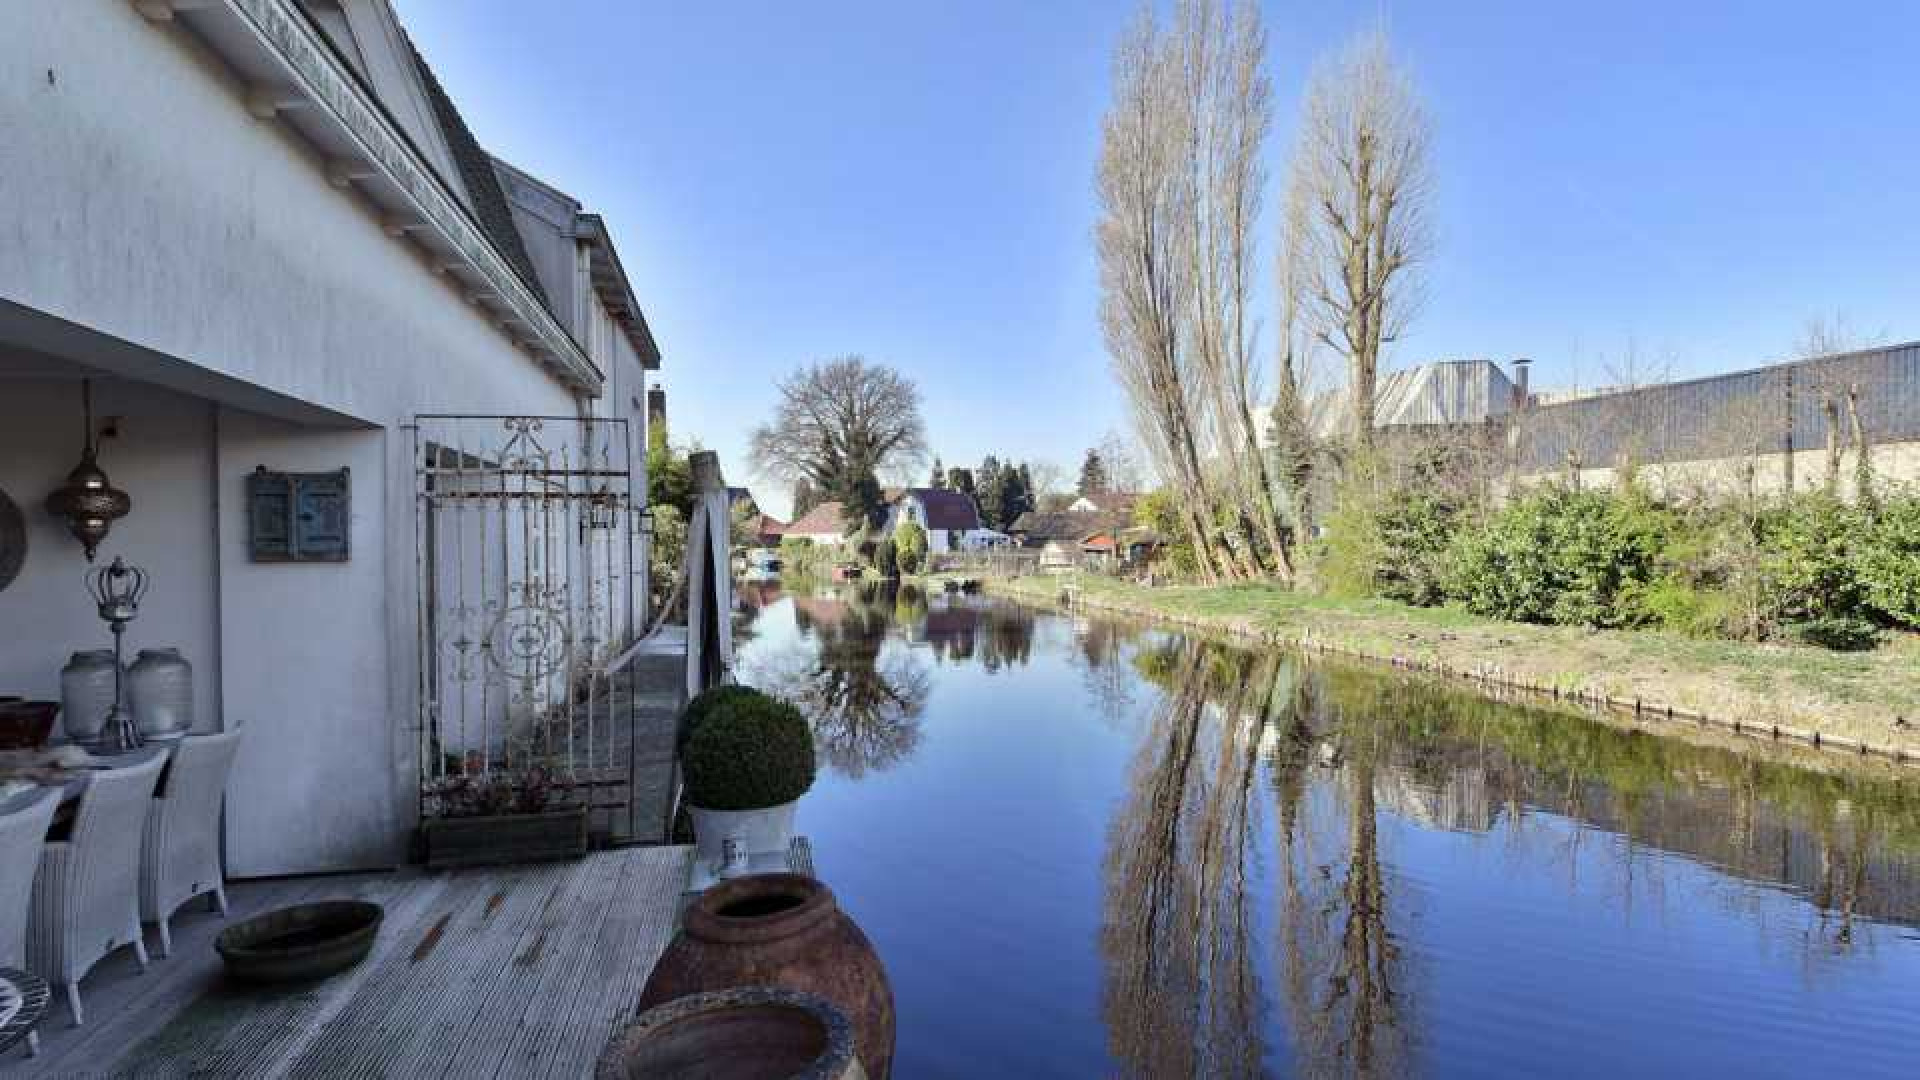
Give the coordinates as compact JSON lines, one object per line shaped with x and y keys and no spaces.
{"x":1768,"y":410}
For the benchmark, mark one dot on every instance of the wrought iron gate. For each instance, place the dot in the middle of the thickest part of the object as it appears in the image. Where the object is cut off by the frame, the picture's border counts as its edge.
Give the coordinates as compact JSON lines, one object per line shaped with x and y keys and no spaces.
{"x":528,"y":574}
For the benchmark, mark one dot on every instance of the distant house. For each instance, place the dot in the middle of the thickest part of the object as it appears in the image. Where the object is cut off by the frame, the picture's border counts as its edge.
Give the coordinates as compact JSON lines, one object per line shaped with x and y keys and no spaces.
{"x":823,"y":526}
{"x":951,"y":519}
{"x":1067,"y":537}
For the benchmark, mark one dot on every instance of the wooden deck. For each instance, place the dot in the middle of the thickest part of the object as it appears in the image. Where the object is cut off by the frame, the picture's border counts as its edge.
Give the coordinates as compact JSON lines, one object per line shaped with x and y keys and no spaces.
{"x":503,"y":972}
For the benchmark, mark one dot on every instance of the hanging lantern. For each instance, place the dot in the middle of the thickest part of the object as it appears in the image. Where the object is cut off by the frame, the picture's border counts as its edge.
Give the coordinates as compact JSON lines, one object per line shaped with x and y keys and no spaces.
{"x":88,"y":502}
{"x":602,"y":512}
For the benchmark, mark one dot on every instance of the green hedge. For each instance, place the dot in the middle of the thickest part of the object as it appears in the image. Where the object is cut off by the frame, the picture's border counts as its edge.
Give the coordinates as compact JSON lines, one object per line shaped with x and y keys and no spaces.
{"x":1804,"y":568}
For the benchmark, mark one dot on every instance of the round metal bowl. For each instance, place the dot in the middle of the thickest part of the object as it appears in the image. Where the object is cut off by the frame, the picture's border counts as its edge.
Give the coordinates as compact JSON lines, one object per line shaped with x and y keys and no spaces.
{"x":306,"y":941}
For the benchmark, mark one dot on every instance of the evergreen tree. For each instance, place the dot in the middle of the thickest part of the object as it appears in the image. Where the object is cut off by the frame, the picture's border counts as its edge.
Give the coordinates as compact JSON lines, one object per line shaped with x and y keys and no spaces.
{"x":1093,"y":475}
{"x":1015,"y":496}
{"x":961,"y":480}
{"x":988,"y":482}
{"x":938,"y":480}
{"x":862,"y":505}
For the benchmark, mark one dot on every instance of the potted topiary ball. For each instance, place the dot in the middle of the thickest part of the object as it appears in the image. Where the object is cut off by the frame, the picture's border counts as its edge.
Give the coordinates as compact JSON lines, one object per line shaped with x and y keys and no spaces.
{"x":746,"y":760}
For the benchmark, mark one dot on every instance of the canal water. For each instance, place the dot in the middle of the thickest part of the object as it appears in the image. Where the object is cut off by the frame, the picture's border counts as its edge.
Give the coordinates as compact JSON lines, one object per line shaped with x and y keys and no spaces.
{"x":1084,"y":848}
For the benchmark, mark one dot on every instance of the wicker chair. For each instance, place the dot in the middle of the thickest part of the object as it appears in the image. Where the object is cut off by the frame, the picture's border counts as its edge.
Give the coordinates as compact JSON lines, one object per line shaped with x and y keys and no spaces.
{"x":23,"y":830}
{"x":181,"y":857}
{"x":86,"y":901}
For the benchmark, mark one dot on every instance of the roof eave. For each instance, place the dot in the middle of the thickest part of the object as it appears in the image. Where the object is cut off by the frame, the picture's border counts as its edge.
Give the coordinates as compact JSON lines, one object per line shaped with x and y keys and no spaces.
{"x":611,"y":284}
{"x":288,"y":71}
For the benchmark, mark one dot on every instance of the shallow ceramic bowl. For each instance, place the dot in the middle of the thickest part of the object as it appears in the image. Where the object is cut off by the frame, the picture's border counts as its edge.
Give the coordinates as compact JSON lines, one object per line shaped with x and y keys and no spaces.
{"x":25,"y":725}
{"x":306,"y":941}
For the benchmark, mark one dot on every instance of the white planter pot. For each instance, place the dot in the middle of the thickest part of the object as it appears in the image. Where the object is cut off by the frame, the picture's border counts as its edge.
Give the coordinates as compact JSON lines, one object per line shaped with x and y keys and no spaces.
{"x":767,"y":831}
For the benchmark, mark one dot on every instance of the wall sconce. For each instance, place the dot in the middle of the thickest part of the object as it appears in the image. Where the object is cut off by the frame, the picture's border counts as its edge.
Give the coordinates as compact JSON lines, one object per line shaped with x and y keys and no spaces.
{"x":601,"y":513}
{"x":88,"y":502}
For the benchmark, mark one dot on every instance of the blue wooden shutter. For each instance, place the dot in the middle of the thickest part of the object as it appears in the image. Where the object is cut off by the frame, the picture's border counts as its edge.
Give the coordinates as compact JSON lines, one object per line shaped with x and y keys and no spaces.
{"x":320,"y":525}
{"x":299,"y":517}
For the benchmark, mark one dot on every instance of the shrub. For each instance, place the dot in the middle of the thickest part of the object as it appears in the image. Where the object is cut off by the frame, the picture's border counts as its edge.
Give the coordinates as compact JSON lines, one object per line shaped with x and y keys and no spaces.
{"x":718,"y":699}
{"x":886,"y":558}
{"x":1888,"y":568}
{"x":748,"y":751}
{"x":910,"y":547}
{"x":1809,"y":563}
{"x":1413,"y":552}
{"x":1559,"y":556}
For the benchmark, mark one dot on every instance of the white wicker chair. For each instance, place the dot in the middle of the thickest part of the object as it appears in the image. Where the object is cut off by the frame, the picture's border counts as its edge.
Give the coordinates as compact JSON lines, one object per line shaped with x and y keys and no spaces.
{"x":181,"y":857}
{"x":23,"y":831}
{"x":86,"y":901}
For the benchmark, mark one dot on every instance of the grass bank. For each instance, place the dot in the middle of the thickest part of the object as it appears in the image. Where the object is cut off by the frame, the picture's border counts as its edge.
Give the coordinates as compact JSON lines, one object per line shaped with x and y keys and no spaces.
{"x":1867,"y":702}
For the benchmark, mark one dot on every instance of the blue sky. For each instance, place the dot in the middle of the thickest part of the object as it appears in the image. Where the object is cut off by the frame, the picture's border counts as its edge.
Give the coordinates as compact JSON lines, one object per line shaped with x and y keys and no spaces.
{"x":913,"y":182}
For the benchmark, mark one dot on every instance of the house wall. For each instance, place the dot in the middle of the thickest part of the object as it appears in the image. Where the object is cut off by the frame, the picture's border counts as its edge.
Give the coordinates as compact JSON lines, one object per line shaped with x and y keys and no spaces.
{"x":309,"y":654}
{"x":163,"y":458}
{"x":141,"y":199}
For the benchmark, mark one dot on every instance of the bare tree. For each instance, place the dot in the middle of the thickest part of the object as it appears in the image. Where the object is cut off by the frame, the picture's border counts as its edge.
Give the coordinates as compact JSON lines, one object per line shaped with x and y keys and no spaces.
{"x":1145,"y":195}
{"x":1291,"y":430}
{"x":1362,"y":168}
{"x":1048,"y":479}
{"x":1822,"y":337}
{"x":839,"y":424}
{"x":1122,"y":461}
{"x":1228,"y":103}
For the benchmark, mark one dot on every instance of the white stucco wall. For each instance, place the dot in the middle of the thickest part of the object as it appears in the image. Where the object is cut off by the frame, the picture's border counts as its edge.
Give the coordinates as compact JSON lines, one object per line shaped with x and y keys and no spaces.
{"x":163,"y":458}
{"x":141,"y":199}
{"x":308,"y":654}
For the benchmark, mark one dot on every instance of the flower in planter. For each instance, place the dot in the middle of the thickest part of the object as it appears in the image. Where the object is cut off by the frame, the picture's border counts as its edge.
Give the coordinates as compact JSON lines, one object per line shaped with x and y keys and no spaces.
{"x":747,"y":751}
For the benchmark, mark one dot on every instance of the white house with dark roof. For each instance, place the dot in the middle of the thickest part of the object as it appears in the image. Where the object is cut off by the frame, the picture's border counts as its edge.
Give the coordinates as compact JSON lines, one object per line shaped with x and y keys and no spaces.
{"x":336,"y":355}
{"x":951,"y":518}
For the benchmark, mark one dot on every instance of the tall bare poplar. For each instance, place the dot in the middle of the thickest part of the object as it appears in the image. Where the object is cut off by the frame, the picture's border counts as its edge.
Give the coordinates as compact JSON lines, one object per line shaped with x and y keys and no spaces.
{"x":1292,"y":432}
{"x":1362,"y":168}
{"x":1145,"y":193}
{"x":1228,"y":101}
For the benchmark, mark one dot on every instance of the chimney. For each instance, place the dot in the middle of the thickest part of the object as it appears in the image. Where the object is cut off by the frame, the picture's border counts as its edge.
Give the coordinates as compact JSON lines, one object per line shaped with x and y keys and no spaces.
{"x":656,"y":406}
{"x":1521,"y":395}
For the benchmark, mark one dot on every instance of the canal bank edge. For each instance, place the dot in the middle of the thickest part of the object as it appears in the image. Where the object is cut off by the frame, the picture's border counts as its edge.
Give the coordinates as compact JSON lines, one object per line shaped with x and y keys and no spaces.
{"x":1768,"y":692}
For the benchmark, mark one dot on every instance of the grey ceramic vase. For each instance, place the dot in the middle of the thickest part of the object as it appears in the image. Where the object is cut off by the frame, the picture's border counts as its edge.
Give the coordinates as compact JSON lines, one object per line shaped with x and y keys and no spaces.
{"x":160,"y":687}
{"x":86,"y":695}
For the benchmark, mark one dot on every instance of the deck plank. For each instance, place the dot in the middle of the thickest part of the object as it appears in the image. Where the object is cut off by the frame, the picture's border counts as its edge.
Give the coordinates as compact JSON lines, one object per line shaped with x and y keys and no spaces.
{"x":631,"y":939}
{"x":554,"y":968}
{"x":509,"y":971}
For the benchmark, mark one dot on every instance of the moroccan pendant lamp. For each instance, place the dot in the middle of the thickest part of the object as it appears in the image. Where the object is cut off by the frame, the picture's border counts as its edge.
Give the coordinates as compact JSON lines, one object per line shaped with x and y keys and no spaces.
{"x":88,"y":502}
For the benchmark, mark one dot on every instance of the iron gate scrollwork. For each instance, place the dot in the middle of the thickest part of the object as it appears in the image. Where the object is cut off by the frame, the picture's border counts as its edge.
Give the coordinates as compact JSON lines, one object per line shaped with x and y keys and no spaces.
{"x":529,"y":583}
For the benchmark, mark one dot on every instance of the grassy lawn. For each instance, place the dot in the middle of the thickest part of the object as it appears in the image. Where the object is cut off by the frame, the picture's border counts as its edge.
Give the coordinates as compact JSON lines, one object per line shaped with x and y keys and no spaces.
{"x":1854,"y":695}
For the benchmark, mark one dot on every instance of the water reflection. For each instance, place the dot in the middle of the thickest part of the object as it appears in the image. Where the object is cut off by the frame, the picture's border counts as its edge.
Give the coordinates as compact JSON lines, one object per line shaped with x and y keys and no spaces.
{"x":1342,"y":750}
{"x":1279,"y":866}
{"x":1184,"y":994}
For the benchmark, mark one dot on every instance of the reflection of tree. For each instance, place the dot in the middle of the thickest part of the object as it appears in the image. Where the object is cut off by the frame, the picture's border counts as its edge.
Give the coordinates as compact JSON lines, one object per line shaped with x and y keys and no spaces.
{"x":1107,"y":680}
{"x":1339,"y":963}
{"x":959,"y":629}
{"x":1182,"y":996}
{"x":863,"y":699}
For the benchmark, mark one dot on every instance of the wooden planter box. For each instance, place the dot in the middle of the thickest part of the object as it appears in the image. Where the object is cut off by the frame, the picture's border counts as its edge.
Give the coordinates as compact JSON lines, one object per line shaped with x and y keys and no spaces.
{"x":508,"y":838}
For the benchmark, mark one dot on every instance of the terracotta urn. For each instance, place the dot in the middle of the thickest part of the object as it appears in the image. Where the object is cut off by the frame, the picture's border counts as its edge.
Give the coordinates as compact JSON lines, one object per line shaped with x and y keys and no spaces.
{"x":750,"y":1033}
{"x":784,"y":930}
